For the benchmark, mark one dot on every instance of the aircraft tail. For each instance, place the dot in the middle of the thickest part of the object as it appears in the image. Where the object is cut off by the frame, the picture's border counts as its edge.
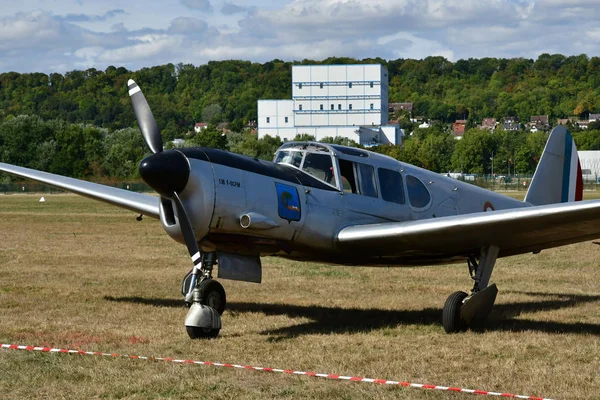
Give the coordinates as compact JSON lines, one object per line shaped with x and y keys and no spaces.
{"x":557,"y":178}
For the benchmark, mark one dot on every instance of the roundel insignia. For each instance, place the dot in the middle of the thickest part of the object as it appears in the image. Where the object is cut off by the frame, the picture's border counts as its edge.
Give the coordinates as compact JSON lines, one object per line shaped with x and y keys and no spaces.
{"x":288,"y":202}
{"x":488,"y":206}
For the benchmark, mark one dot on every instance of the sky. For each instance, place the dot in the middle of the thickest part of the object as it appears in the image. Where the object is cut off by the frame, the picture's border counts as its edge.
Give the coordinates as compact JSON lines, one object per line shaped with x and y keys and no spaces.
{"x":64,"y":35}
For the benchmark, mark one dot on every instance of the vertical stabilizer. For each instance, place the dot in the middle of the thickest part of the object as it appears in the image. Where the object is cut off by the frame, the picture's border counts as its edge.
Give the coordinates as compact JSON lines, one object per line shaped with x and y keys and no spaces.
{"x":557,"y":178}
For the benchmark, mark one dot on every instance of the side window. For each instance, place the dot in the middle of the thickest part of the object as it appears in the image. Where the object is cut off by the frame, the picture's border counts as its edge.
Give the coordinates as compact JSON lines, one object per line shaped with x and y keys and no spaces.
{"x":391,"y":186}
{"x":348,"y":179}
{"x":366,"y":180}
{"x":358,"y":178}
{"x":418,"y":195}
{"x":319,"y":166}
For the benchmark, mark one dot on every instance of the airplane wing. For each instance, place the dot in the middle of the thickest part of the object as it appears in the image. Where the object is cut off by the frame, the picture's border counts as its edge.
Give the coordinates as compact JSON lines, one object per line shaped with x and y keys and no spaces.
{"x":138,"y":202}
{"x":514,"y":231}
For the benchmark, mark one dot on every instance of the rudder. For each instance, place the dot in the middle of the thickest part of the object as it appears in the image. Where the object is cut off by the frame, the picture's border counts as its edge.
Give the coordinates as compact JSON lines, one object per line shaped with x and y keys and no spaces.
{"x":558,"y":177}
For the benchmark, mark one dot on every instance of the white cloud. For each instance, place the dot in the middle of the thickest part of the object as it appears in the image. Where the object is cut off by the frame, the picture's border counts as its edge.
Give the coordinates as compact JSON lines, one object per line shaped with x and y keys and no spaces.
{"x":185,"y":25}
{"x":81,"y":36}
{"x":201,"y":5}
{"x":149,"y":47}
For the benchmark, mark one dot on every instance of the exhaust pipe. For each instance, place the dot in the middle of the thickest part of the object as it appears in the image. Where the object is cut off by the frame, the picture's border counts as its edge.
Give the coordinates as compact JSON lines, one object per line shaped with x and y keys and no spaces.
{"x":254,"y":220}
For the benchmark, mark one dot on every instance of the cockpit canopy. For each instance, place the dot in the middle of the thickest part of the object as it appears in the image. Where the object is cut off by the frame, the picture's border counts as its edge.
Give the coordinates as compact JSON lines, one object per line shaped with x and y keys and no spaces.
{"x":354,"y":171}
{"x":311,"y":158}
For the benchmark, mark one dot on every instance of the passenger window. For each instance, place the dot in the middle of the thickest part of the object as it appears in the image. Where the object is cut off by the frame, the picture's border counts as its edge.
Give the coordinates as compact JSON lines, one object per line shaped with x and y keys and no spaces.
{"x":418,"y":195}
{"x":390,"y":183}
{"x":289,"y":157}
{"x":357,"y":178}
{"x":319,"y":166}
{"x":366,"y":180}
{"x":348,"y":179}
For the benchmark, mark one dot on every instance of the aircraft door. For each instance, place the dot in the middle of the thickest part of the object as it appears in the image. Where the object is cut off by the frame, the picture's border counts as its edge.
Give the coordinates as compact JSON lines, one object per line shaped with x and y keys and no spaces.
{"x":359,"y":187}
{"x":393,"y":204}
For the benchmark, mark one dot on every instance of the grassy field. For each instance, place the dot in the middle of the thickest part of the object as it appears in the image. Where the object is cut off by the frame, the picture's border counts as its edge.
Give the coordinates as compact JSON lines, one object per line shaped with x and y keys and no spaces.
{"x":80,"y":274}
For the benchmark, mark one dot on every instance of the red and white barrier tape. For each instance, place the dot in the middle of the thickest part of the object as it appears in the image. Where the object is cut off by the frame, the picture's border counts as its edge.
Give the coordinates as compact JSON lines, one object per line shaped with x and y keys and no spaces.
{"x":285,"y":371}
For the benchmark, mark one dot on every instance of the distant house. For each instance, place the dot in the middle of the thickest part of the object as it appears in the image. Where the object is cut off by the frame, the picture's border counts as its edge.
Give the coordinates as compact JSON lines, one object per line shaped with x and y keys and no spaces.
{"x":458,"y":128}
{"x":539,"y":119}
{"x":567,"y":121}
{"x":538,"y":123}
{"x":424,"y":125}
{"x":395,"y":107}
{"x":511,"y":126}
{"x":594,"y":117}
{"x":199,"y":126}
{"x":223,"y":127}
{"x":488,"y":123}
{"x":583,"y":124}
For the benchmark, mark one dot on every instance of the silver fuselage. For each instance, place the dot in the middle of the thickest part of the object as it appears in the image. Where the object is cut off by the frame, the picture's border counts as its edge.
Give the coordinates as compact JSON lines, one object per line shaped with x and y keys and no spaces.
{"x":242,"y":205}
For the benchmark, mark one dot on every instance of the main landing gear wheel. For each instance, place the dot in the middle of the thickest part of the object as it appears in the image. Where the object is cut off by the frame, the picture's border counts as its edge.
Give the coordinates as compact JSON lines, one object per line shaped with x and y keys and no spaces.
{"x":212,"y":294}
{"x":451,"y":318}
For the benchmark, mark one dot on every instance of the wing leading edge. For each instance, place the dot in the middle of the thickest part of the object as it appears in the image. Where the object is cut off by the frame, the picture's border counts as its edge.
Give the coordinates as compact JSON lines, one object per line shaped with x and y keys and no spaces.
{"x":138,"y":202}
{"x":514,"y":231}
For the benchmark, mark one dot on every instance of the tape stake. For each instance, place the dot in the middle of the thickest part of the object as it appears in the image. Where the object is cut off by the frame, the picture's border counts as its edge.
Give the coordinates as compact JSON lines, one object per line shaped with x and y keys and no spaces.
{"x":274,"y":370}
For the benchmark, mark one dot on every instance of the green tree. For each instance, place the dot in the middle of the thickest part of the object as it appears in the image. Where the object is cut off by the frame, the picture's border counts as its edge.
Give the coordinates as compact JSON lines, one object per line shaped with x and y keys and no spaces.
{"x":209,"y":137}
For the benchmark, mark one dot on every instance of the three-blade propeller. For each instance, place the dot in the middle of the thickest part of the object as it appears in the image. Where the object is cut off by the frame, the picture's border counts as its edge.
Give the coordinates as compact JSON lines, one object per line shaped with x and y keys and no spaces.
{"x":167,"y":172}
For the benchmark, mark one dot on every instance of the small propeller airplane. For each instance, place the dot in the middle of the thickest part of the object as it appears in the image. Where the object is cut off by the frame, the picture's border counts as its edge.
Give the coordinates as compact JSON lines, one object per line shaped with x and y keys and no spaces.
{"x":340,"y":205}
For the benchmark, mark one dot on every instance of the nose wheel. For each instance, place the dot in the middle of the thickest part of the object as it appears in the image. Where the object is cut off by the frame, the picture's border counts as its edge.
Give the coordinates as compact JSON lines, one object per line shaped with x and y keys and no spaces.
{"x":206,"y":299}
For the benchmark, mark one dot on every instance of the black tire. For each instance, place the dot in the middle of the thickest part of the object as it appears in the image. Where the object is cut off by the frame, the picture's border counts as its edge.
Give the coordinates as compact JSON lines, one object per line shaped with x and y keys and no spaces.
{"x":195,"y":332}
{"x":212,"y":294}
{"x":451,"y":319}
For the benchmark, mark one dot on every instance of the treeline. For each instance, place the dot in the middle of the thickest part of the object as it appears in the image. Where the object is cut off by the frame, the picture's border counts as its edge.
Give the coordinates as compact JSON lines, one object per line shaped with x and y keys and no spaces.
{"x":183,"y":94}
{"x":85,"y":151}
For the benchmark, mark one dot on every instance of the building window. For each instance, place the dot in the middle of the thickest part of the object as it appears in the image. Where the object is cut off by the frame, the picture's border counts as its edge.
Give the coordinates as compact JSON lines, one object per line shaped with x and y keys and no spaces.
{"x":299,"y":107}
{"x":350,"y":107}
{"x":350,"y":85}
{"x":340,"y":107}
{"x":286,"y":120}
{"x":321,"y":85}
{"x":332,"y":107}
{"x":321,"y":107}
{"x":371,"y":84}
{"x":371,"y":106}
{"x":268,"y":120}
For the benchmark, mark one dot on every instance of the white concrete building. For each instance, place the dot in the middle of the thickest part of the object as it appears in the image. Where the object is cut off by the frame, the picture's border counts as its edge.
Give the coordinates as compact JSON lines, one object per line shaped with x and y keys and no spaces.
{"x":332,"y":100}
{"x":590,"y":164}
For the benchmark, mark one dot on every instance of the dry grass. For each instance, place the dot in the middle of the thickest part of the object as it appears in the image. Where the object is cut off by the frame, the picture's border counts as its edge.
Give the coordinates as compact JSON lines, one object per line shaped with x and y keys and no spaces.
{"x":80,"y":274}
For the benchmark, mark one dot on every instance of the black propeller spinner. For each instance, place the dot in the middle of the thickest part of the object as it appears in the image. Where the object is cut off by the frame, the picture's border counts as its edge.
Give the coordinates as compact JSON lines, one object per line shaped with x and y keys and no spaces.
{"x":167,"y":172}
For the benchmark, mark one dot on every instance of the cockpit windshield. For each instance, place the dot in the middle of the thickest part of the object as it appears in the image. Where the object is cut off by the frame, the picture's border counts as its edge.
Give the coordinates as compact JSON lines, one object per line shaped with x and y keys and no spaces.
{"x":290,"y":157}
{"x":317,"y":164}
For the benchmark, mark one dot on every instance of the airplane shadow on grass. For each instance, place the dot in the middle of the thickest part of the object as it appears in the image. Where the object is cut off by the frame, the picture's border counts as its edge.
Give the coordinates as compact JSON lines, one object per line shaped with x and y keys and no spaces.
{"x":347,"y":320}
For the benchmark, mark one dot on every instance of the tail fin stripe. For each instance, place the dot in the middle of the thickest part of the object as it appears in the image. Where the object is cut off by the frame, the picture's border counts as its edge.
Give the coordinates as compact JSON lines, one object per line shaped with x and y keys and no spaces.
{"x":579,"y":187}
{"x":567,"y":169}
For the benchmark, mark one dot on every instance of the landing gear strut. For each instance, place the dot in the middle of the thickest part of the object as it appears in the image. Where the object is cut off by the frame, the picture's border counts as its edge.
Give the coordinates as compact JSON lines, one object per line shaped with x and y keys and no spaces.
{"x":460,"y":309}
{"x":206,"y":298}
